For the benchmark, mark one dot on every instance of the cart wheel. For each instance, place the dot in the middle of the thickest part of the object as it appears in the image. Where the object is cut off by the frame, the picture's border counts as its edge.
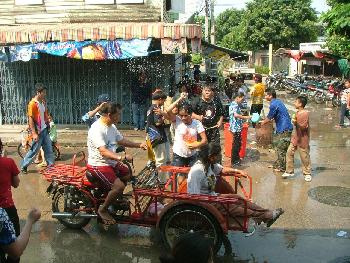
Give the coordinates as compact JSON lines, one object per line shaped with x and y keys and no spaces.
{"x":189,"y":218}
{"x":78,"y":201}
{"x":22,"y":150}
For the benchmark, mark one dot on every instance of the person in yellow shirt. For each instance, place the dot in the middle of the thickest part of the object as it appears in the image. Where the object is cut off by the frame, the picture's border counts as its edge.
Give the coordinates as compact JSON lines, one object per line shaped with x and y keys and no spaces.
{"x":257,"y":95}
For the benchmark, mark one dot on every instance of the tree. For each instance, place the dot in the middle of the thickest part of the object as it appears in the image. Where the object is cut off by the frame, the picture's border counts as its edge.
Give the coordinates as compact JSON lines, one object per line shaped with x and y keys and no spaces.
{"x":233,"y":40}
{"x":226,"y":21}
{"x":284,"y":23}
{"x":337,"y":21}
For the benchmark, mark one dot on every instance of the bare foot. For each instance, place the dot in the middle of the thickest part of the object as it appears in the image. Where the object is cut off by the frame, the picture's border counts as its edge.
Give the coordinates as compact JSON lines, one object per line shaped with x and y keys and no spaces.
{"x":107,"y":219}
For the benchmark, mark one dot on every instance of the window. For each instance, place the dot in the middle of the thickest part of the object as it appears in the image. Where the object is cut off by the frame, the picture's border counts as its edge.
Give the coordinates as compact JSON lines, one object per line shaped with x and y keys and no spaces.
{"x":112,"y":2}
{"x":129,"y":1}
{"x":28,"y":2}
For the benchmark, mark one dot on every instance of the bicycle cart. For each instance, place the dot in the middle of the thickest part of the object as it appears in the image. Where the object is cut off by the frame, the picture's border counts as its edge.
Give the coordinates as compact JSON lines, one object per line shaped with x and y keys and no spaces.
{"x":75,"y":201}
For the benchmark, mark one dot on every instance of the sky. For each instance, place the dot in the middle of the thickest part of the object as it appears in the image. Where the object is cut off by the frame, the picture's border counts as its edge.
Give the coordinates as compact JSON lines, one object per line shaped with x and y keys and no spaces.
{"x":221,"y":5}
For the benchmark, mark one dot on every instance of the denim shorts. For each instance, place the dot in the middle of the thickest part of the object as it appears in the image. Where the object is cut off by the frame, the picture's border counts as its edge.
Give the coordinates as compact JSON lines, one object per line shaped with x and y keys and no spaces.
{"x":184,"y":161}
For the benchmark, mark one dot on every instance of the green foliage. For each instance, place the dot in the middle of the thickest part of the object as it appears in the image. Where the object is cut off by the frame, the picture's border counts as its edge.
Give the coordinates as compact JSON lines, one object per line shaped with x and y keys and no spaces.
{"x":196,"y":58}
{"x":233,"y":40}
{"x":337,"y":21}
{"x":262,"y":69}
{"x":225,"y":63}
{"x":201,"y":21}
{"x":284,"y":23}
{"x":226,"y":21}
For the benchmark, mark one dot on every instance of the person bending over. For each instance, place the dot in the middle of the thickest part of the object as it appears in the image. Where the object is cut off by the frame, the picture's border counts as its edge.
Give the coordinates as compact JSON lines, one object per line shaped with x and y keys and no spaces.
{"x":103,"y":162}
{"x":202,"y":179}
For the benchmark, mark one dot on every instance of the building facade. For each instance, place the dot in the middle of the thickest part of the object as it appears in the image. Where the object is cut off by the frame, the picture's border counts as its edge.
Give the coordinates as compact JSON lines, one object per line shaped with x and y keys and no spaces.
{"x":74,"y":84}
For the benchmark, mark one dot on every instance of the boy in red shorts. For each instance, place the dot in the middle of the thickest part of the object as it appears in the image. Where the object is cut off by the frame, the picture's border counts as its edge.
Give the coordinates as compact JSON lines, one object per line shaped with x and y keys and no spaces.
{"x":103,"y":162}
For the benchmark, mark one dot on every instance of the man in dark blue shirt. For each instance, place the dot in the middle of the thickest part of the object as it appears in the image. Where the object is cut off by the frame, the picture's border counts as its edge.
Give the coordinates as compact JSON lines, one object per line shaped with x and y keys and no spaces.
{"x":140,"y":96}
{"x":279,"y":113}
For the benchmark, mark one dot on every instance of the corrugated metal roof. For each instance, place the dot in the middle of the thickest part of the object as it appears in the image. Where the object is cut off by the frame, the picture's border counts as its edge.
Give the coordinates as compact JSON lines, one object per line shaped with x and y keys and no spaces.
{"x":95,"y":31}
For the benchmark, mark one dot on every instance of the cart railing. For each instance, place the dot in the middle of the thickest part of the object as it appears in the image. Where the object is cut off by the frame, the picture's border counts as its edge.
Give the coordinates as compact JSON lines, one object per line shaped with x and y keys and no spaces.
{"x":221,"y":202}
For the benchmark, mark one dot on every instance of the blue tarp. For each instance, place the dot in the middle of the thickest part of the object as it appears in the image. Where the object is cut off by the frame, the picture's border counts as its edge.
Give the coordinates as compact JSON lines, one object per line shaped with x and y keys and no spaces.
{"x":92,"y":50}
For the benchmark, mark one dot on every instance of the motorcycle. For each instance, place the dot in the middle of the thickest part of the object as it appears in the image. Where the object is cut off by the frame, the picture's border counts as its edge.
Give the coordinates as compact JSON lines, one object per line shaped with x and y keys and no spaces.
{"x":335,"y":90}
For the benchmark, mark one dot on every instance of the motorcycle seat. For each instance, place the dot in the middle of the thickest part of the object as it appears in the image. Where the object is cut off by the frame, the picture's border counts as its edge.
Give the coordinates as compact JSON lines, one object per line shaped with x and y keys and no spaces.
{"x":92,"y":180}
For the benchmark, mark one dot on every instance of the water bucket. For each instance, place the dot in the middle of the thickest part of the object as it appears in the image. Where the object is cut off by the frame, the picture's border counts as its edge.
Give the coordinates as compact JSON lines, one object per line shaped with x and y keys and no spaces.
{"x":255,"y":117}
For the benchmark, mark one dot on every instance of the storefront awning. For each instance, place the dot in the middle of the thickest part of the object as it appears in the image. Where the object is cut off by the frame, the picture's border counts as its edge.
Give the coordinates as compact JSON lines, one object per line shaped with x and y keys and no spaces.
{"x":10,"y":35}
{"x":216,"y":52}
{"x":298,"y":55}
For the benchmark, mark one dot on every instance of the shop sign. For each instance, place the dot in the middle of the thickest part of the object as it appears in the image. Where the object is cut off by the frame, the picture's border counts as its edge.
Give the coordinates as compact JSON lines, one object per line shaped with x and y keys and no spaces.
{"x":173,"y":46}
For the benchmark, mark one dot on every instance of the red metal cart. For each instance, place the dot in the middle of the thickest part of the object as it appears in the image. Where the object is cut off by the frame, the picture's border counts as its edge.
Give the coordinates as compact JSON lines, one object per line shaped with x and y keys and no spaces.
{"x":75,"y":202}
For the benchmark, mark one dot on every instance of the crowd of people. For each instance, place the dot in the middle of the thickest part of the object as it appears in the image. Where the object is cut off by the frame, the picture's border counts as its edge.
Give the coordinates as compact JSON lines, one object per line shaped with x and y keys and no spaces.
{"x":190,"y":122}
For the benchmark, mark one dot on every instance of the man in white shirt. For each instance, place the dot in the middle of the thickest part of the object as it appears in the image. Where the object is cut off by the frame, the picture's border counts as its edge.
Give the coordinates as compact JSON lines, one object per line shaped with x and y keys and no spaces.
{"x":103,"y":162}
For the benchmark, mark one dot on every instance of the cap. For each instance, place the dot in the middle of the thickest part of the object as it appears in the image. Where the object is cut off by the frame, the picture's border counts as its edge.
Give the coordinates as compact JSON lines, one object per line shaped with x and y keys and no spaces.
{"x":103,"y":98}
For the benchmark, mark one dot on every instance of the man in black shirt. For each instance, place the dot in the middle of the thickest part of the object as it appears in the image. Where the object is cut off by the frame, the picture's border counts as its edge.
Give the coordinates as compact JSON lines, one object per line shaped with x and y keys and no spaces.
{"x":140,"y":95}
{"x":210,"y":112}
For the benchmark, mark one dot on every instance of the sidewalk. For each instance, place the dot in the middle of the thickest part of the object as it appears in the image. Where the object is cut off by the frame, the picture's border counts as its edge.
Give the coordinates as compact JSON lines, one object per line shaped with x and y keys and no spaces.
{"x":68,"y":135}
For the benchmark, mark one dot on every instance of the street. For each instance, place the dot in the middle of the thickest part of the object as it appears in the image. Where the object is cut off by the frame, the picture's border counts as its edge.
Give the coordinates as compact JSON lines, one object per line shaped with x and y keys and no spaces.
{"x":308,"y":231}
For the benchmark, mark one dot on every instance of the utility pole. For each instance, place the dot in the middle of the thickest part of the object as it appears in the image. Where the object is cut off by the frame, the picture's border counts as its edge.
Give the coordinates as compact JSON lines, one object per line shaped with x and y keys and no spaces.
{"x":206,"y":21}
{"x":270,"y":59}
{"x":212,"y":23}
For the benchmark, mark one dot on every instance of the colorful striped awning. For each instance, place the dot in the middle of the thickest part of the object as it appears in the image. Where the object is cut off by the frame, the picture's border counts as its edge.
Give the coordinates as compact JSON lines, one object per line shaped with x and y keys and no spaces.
{"x":96,"y":31}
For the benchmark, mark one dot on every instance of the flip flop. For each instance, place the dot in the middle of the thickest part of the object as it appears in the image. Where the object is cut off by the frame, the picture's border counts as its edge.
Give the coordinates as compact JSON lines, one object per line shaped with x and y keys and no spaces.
{"x":279,"y":212}
{"x":107,"y":222}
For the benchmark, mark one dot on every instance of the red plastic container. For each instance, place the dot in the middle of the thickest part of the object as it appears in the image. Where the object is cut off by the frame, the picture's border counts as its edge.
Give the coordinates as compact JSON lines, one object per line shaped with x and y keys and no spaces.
{"x":228,"y":140}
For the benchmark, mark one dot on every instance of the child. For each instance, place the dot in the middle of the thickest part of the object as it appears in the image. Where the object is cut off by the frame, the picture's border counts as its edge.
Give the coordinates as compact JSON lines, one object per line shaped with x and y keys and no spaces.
{"x":300,"y":140}
{"x":156,"y":129}
{"x":236,"y":122}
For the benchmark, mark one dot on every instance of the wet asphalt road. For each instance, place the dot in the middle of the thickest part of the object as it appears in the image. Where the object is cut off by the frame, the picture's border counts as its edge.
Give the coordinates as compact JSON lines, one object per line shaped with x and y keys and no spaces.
{"x":307,"y":232}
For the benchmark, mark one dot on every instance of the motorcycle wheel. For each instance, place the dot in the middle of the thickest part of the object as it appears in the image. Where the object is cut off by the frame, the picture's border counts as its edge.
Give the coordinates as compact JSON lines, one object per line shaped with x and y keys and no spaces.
{"x":280,"y":87}
{"x":289,"y":90}
{"x":336,"y":102}
{"x":319,"y":98}
{"x":187,"y":218}
{"x":311,"y":95}
{"x":80,"y":201}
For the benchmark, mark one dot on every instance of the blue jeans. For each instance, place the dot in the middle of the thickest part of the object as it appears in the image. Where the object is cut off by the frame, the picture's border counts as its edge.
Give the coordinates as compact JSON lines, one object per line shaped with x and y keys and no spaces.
{"x":184,"y":161}
{"x":344,"y":112}
{"x":43,"y":141}
{"x":138,"y":115}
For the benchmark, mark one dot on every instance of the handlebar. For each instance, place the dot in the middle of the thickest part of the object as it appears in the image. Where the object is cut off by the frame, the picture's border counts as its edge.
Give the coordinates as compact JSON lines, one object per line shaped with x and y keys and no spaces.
{"x":75,"y":162}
